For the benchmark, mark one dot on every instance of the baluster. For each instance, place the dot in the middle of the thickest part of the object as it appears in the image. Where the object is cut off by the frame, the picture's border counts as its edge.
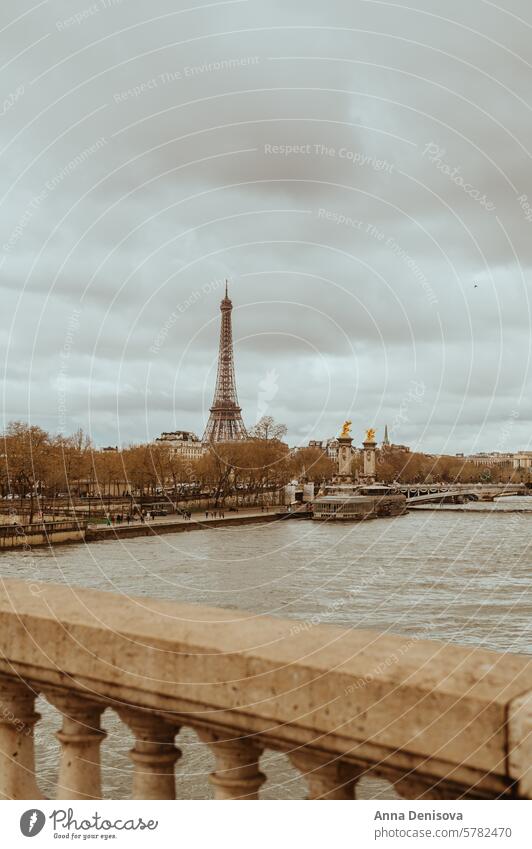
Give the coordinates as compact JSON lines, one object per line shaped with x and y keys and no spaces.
{"x":17,"y":758}
{"x":411,"y":786}
{"x":326,"y":776}
{"x":237,"y":774}
{"x":154,"y":754}
{"x":80,"y":738}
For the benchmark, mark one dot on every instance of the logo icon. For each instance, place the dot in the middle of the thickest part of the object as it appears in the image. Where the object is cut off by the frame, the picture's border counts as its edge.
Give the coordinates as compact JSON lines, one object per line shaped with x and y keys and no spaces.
{"x":32,"y":822}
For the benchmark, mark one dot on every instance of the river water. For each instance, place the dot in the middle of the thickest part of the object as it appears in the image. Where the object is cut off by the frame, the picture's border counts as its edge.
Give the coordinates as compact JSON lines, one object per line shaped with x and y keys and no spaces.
{"x":457,"y":575}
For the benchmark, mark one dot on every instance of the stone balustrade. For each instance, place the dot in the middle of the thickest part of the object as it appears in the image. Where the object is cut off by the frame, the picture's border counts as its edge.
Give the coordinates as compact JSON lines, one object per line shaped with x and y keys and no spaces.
{"x":41,"y":533}
{"x":435,"y":720}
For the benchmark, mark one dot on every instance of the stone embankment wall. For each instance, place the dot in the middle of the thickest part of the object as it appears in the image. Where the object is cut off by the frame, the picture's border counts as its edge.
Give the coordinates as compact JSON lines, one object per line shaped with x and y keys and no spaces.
{"x":40,"y":533}
{"x":145,"y":530}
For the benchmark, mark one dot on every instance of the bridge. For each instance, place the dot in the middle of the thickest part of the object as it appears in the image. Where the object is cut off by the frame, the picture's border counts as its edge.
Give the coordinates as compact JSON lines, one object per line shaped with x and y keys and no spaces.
{"x":460,"y":493}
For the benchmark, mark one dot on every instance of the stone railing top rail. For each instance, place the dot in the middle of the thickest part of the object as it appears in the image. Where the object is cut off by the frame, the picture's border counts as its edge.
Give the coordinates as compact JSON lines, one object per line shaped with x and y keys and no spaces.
{"x":35,"y":527}
{"x":400,"y":703}
{"x":468,"y":486}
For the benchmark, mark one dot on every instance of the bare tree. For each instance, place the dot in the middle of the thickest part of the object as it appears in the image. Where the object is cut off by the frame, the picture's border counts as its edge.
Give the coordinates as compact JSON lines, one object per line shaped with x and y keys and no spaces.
{"x":268,"y":428}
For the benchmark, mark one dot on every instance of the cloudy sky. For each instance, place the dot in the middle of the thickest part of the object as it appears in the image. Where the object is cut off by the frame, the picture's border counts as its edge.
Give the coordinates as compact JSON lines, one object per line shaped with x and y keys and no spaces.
{"x":359,"y":170}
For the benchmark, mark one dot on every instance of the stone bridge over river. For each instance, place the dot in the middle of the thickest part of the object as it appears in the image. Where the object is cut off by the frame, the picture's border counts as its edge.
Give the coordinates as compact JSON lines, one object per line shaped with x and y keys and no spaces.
{"x":460,"y":493}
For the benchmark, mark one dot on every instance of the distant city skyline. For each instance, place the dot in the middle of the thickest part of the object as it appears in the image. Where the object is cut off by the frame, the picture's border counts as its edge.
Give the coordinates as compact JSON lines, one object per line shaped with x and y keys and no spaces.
{"x":404,"y":423}
{"x":368,"y":200}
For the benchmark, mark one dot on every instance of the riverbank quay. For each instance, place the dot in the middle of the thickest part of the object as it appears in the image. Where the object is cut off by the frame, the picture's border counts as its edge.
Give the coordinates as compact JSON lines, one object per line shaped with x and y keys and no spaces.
{"x":160,"y":526}
{"x":17,"y":536}
{"x":98,"y":507}
{"x":52,"y":533}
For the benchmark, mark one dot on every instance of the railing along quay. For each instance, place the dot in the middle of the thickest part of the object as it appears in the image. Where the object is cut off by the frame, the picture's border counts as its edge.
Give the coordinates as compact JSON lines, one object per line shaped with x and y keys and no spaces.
{"x":436,"y":720}
{"x":40,"y":527}
{"x":18,"y":535}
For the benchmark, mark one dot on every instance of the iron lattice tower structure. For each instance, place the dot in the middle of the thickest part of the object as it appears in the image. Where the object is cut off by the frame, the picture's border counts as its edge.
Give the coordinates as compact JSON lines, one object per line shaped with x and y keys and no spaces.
{"x":225,"y":421}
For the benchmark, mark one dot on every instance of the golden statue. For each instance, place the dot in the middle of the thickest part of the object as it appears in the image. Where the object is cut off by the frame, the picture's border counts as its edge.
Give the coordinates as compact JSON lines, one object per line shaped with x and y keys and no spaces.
{"x":370,"y":435}
{"x":346,"y":429}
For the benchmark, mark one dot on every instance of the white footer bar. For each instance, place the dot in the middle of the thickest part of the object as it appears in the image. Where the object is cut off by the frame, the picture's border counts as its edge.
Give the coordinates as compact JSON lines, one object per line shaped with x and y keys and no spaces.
{"x":267,"y":825}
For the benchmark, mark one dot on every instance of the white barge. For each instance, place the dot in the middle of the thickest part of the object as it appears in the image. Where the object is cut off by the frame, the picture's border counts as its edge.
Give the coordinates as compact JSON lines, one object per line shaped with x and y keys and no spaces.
{"x":340,"y":503}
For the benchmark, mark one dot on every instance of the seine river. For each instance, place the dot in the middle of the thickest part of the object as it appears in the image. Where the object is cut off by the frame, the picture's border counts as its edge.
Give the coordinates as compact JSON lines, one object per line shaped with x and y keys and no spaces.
{"x":457,"y":575}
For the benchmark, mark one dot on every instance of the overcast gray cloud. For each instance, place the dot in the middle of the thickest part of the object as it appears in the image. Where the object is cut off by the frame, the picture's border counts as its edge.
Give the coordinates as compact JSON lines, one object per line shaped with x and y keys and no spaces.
{"x":354,"y":168}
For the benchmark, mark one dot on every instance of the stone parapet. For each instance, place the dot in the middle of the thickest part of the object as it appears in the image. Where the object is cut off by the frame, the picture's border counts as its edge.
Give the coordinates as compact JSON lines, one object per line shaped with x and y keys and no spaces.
{"x":41,"y":533}
{"x":437,"y":720}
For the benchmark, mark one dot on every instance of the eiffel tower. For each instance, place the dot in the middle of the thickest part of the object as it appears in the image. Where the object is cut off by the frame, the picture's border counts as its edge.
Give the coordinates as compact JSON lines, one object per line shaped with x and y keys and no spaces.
{"x":225,"y":421}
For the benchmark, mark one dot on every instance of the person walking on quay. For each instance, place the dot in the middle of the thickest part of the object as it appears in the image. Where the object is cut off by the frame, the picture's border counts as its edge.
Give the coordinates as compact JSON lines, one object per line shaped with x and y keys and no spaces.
{"x":128,"y":518}
{"x":206,"y":514}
